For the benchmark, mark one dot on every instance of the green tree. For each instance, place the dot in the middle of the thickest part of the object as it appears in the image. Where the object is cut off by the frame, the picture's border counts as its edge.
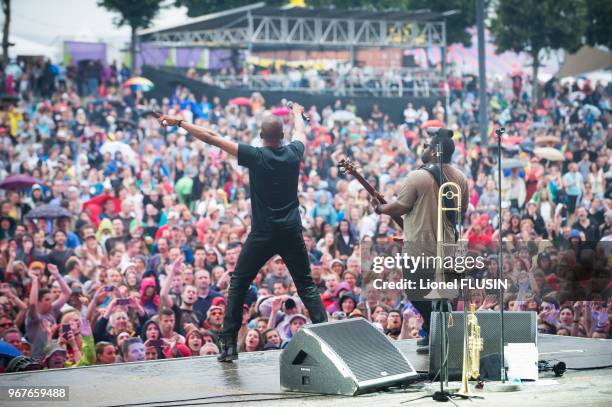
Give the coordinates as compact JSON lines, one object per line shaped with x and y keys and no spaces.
{"x":199,"y":7}
{"x":135,"y":14}
{"x":457,"y":24}
{"x":6,"y":10}
{"x":196,"y":8}
{"x":537,"y":25}
{"x":599,"y":23}
{"x":403,"y":5}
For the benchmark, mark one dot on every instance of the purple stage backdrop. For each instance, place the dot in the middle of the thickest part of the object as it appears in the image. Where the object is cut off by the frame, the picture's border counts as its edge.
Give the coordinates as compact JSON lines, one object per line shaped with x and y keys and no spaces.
{"x":75,"y":51}
{"x":185,"y":57}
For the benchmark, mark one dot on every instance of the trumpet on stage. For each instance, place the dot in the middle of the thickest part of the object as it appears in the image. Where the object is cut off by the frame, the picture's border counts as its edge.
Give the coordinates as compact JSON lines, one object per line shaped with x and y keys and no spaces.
{"x":472,"y":346}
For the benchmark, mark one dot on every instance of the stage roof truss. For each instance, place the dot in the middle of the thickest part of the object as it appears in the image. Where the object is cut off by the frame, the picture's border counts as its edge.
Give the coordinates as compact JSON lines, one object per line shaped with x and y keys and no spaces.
{"x":256,"y":29}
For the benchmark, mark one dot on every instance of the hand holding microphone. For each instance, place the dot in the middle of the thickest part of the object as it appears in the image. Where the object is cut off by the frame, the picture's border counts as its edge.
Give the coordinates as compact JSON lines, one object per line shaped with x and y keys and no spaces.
{"x":297,"y":108}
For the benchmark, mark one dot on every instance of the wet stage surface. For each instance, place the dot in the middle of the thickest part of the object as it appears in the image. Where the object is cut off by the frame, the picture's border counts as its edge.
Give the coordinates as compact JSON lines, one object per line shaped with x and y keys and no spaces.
{"x":254,"y":380}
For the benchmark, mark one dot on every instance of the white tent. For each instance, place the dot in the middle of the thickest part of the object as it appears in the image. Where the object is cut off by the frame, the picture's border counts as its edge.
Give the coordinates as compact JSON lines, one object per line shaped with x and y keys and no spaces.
{"x":24,"y":47}
{"x":587,"y":59}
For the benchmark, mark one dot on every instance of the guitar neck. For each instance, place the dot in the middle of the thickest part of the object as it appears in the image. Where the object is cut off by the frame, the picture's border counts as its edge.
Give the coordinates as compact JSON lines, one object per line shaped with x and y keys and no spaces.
{"x":351,"y":170}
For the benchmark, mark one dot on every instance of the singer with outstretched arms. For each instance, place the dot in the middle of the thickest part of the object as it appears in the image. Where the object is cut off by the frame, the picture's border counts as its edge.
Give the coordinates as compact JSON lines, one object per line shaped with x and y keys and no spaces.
{"x":417,"y":208}
{"x":276,"y":226}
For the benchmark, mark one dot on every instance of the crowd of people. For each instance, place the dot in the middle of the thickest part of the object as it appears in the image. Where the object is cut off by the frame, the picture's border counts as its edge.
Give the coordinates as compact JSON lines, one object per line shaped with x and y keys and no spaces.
{"x":139,"y":270}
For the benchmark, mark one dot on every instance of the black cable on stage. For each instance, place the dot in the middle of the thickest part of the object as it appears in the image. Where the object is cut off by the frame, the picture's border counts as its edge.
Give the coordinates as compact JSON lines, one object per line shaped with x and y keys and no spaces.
{"x":590,"y":368}
{"x":547,"y":365}
{"x":148,"y":403}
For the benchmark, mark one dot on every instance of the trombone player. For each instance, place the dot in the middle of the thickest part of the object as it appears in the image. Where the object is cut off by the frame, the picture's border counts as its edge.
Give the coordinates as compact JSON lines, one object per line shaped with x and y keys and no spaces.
{"x":417,"y":210}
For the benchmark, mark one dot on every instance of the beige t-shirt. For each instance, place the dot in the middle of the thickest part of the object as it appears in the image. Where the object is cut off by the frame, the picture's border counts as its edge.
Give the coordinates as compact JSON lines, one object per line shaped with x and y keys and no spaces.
{"x":419,"y":192}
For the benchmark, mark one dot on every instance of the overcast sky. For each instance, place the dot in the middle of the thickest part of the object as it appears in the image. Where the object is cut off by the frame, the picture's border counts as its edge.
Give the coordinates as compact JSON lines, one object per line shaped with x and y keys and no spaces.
{"x":51,"y":21}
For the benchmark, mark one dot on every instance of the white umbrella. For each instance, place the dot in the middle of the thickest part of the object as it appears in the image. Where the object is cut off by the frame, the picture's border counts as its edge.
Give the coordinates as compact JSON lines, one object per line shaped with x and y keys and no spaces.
{"x":549,"y":153}
{"x":342,"y":116}
{"x":510,"y":163}
{"x":113,"y":146}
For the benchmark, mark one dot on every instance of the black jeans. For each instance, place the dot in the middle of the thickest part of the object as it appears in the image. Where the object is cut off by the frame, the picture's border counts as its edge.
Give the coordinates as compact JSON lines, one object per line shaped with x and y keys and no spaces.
{"x":258,"y":249}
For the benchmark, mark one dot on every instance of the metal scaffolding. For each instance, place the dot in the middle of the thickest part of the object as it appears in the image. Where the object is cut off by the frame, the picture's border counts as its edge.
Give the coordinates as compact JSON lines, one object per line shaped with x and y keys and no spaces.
{"x":257,"y":25}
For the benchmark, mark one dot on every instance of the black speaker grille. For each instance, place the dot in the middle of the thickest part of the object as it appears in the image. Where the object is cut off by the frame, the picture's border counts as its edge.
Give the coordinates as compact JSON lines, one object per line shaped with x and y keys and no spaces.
{"x":364,"y":349}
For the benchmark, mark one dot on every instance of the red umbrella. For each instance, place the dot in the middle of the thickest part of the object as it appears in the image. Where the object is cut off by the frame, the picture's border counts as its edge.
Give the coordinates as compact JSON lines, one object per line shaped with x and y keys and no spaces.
{"x":513,"y":140}
{"x":240,"y":101}
{"x":20,"y":181}
{"x":94,"y":206}
{"x":432,"y":123}
{"x":280,"y":111}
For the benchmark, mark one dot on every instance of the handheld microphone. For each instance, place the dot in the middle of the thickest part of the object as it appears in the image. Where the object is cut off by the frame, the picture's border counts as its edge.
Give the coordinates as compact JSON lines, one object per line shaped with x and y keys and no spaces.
{"x":304,"y":116}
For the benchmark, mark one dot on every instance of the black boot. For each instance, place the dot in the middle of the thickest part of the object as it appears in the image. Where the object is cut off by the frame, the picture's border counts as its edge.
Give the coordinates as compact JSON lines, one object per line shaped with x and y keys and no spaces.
{"x":229,"y":350}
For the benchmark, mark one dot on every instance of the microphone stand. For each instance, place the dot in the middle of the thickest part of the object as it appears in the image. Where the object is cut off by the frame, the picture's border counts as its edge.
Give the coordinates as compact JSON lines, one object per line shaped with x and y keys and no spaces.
{"x":443,"y":394}
{"x":500,"y":261}
{"x":503,"y":386}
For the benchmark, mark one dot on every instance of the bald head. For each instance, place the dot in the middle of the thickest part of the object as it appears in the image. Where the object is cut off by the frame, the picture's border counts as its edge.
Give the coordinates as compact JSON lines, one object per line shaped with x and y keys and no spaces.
{"x":272,"y":128}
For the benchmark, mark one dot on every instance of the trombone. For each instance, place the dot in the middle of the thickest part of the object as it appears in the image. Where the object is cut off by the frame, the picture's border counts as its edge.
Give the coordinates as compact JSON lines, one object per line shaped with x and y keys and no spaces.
{"x":449,"y":200}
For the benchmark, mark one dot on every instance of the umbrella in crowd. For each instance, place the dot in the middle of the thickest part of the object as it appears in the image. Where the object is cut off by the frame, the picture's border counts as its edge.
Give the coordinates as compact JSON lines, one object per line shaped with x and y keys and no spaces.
{"x":280,"y":111}
{"x":142,"y":83}
{"x":21,"y":181}
{"x":342,"y":116}
{"x":48,"y":212}
{"x":113,"y":147}
{"x":548,"y":140}
{"x":549,"y":153}
{"x":95,"y":205}
{"x":432,"y":123}
{"x":510,"y":163}
{"x":240,"y":101}
{"x":512,"y":140}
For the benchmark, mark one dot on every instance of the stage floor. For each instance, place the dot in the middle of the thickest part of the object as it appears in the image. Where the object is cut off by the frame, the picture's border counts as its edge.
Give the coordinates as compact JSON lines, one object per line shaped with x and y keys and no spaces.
{"x":254,"y":380}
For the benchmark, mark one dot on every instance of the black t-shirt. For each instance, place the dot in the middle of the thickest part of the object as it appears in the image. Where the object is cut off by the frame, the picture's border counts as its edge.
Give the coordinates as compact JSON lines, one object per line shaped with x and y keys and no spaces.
{"x":273,"y":177}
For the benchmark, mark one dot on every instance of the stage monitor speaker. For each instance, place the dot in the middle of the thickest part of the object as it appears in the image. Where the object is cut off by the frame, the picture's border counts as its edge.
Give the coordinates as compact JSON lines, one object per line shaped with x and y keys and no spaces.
{"x":519,"y":327}
{"x":346,"y":357}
